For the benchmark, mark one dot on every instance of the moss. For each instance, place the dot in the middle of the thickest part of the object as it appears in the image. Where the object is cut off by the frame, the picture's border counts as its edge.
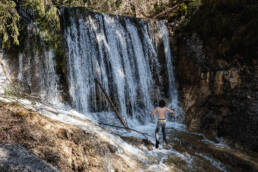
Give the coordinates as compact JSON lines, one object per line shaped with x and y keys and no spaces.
{"x":45,"y":15}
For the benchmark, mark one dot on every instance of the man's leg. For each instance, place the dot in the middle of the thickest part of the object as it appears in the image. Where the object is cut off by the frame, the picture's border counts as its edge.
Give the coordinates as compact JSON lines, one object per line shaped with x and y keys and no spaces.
{"x":157,"y":135}
{"x":164,"y":132}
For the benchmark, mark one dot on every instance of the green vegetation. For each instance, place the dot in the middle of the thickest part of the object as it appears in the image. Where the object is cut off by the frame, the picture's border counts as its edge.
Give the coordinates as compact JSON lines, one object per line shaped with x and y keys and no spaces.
{"x":175,"y":9}
{"x":13,"y":90}
{"x":45,"y":16}
{"x":229,"y":28}
{"x":9,"y":27}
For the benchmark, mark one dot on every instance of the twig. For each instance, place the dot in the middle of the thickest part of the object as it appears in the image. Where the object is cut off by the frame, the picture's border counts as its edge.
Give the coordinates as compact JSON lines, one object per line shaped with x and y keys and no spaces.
{"x":144,"y":134}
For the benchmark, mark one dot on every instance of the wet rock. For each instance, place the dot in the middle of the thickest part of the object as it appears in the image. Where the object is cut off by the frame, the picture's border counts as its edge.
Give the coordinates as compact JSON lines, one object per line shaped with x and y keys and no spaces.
{"x":15,"y":158}
{"x":142,"y":143}
{"x":217,"y":73}
{"x":196,"y":153}
{"x":112,"y":148}
{"x":148,"y":144}
{"x":167,"y":146}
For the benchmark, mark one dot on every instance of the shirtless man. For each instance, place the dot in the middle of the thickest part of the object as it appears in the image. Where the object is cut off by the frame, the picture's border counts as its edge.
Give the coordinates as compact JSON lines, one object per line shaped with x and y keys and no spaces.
{"x":161,"y":110}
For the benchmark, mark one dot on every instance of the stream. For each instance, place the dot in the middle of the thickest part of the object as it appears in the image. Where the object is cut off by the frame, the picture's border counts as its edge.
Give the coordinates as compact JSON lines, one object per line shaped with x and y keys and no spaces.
{"x":193,"y":152}
{"x":186,"y":151}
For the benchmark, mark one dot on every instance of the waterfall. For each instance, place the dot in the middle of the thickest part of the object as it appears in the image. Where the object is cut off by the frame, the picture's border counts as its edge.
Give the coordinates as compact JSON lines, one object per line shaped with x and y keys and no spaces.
{"x":179,"y":115}
{"x":3,"y":78}
{"x":130,"y":58}
{"x":124,"y":55}
{"x":36,"y":70}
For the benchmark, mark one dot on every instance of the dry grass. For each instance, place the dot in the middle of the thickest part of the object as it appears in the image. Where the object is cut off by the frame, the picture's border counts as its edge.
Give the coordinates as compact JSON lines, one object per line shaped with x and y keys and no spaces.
{"x":64,"y":146}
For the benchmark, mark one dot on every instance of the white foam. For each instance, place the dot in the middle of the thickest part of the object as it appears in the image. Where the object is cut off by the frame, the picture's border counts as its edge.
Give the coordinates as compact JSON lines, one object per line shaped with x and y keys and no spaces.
{"x":216,"y":164}
{"x":221,"y":143}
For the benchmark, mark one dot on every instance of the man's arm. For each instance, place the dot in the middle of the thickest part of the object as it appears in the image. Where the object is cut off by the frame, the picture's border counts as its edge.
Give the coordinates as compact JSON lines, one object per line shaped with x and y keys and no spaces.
{"x":171,"y":111}
{"x":154,"y":111}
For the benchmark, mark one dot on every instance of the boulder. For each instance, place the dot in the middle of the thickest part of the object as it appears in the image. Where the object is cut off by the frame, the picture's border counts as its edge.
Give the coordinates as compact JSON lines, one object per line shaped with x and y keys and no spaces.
{"x":16,"y":158}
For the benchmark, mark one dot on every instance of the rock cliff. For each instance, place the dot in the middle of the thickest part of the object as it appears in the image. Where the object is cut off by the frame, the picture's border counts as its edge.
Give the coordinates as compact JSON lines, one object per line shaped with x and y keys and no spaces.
{"x":217,"y":68}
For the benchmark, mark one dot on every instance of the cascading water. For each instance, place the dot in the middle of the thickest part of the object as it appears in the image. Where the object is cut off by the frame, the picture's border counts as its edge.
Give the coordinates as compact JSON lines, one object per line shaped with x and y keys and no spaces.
{"x":37,"y":68}
{"x":130,"y":58}
{"x":3,"y":78}
{"x":124,"y":55}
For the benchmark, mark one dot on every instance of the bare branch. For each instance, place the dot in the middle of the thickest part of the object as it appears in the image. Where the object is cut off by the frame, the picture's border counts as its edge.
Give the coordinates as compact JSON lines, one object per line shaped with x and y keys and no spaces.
{"x":108,"y":99}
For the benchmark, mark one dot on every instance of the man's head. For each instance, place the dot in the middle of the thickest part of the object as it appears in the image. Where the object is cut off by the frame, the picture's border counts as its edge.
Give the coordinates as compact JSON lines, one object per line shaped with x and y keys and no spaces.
{"x":162,"y":103}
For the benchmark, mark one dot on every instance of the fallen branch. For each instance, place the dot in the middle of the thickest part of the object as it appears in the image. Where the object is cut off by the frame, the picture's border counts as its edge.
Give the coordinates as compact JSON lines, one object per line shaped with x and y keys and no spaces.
{"x":112,"y":104}
{"x":130,"y":129}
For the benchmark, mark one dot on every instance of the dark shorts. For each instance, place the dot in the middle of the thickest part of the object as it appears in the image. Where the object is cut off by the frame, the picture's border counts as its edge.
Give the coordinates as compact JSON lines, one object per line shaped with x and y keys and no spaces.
{"x":161,"y":123}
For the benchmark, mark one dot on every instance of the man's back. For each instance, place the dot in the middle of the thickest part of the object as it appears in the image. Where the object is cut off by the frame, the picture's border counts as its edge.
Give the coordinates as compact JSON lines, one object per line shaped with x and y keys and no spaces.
{"x":161,"y":112}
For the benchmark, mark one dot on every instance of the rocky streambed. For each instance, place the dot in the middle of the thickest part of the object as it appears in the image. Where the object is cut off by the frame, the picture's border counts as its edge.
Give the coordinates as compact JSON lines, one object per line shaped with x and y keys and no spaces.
{"x":197,"y":153}
{"x":36,"y":131}
{"x":65,"y":141}
{"x":193,"y":152}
